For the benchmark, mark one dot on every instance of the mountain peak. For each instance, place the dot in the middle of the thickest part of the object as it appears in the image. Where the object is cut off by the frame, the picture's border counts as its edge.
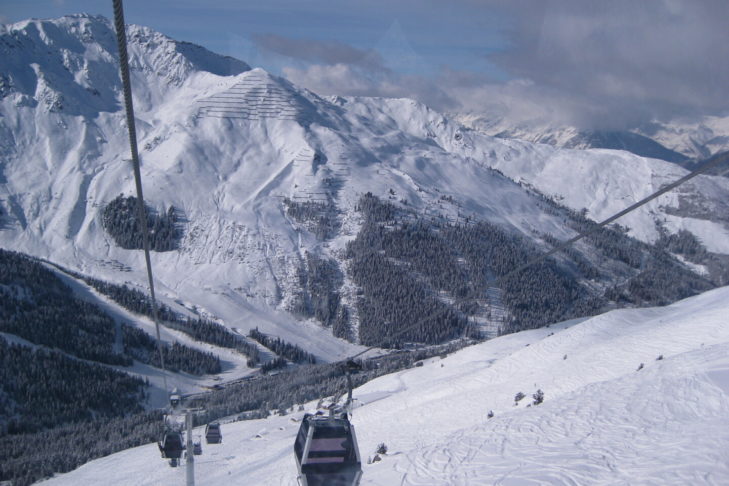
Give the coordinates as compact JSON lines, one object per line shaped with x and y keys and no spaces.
{"x":257,"y":95}
{"x":75,"y":57}
{"x":178,"y":58}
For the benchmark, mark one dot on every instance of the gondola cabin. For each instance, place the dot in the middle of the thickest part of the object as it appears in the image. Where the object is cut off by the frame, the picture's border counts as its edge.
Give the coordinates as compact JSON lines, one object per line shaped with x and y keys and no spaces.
{"x":326,"y":451}
{"x":213,"y":434}
{"x":171,"y":446}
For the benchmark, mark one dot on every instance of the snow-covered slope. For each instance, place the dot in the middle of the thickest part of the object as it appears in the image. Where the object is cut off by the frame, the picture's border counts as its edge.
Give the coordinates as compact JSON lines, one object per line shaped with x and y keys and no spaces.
{"x":697,"y":140}
{"x":547,"y":132}
{"x":227,"y":145}
{"x":607,"y":181}
{"x":635,"y":396}
{"x":233,"y":363}
{"x":678,"y":140}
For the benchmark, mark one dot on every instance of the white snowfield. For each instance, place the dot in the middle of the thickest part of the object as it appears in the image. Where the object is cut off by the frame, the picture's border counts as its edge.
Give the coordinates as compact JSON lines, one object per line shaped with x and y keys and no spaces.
{"x":603,"y":420}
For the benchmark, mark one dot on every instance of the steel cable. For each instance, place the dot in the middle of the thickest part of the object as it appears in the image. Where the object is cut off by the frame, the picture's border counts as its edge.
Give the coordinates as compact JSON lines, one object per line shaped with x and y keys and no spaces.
{"x":141,"y":213}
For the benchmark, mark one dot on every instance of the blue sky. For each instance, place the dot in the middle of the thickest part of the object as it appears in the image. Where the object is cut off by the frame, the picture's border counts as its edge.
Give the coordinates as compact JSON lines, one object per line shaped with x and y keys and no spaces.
{"x":417,"y":37}
{"x":590,"y":63}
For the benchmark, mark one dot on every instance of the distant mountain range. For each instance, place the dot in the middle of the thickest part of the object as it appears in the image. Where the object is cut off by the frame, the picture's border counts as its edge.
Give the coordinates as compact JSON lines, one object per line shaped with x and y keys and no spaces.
{"x":679,"y":141}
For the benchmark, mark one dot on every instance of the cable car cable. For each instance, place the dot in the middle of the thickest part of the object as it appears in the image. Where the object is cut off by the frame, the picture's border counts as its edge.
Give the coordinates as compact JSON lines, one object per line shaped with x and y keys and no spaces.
{"x":141,"y":213}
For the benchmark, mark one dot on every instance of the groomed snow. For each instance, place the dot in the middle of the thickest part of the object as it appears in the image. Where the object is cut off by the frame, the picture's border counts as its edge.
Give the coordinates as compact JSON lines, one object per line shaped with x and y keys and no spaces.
{"x":603,"y":420}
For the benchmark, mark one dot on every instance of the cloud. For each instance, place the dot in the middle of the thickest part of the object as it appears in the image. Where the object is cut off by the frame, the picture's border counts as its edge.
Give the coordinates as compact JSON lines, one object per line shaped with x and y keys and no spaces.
{"x":324,"y":52}
{"x":617,"y":64}
{"x":353,"y":80}
{"x":603,"y":65}
{"x":335,"y":68}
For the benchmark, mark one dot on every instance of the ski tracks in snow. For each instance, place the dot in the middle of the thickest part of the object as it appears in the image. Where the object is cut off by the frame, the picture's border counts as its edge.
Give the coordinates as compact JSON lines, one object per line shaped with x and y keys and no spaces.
{"x":651,"y":427}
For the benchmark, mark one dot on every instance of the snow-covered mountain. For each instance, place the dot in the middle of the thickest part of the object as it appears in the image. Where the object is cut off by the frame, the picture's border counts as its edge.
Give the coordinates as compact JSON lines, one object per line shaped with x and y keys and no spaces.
{"x":546,"y":132}
{"x":679,"y":141}
{"x":606,"y":181}
{"x":700,"y":140}
{"x":637,"y":396}
{"x":267,"y":178}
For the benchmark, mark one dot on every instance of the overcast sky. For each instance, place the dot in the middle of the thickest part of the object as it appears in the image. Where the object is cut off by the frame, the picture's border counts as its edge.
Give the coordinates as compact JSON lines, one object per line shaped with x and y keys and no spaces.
{"x":597,"y":64}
